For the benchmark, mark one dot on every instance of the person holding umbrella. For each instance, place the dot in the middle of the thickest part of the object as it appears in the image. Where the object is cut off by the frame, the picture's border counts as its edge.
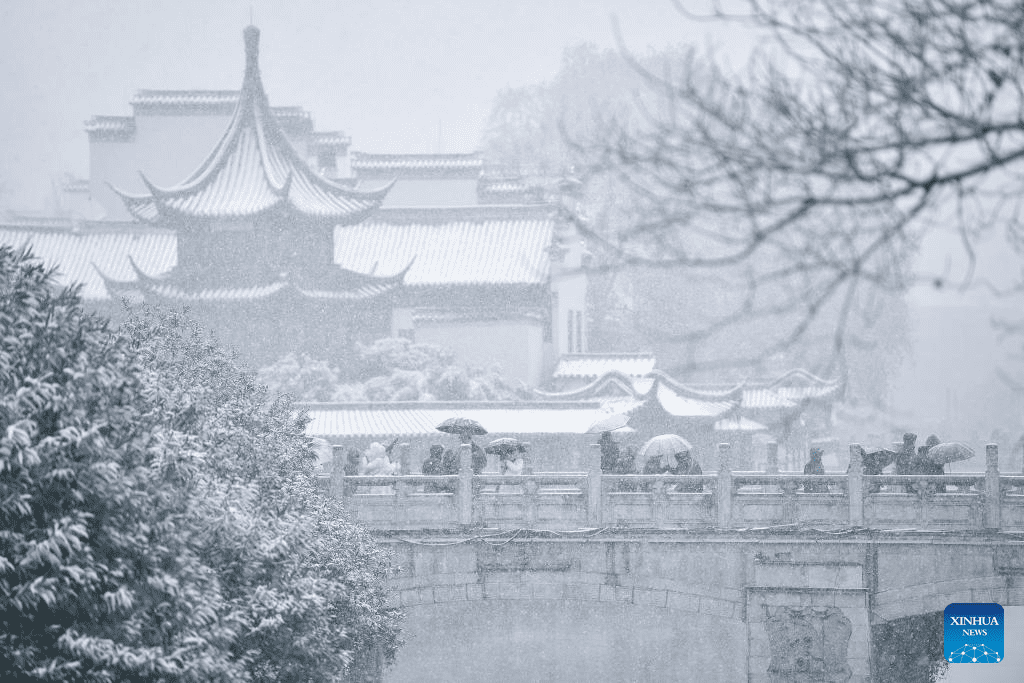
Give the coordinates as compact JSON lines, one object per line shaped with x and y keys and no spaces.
{"x":905,"y":457}
{"x":511,"y":457}
{"x":609,"y":449}
{"x":670,"y":454}
{"x":924,"y":464}
{"x":479,"y":461}
{"x":510,"y":454}
{"x":434,"y":466}
{"x":609,"y":452}
{"x":873,"y":462}
{"x":466,"y":429}
{"x":687,"y":465}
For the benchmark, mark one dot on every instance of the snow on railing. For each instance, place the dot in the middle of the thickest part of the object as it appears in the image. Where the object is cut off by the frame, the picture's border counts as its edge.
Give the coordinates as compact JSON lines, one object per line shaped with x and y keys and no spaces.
{"x":725,"y":500}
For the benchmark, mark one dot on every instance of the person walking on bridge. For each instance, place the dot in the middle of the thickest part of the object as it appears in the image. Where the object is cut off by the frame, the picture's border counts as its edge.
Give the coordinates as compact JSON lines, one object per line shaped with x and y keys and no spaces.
{"x":479,"y":461}
{"x":434,"y":466}
{"x":687,"y":465}
{"x":906,"y":456}
{"x":815,"y":466}
{"x":609,"y":452}
{"x":923,"y":464}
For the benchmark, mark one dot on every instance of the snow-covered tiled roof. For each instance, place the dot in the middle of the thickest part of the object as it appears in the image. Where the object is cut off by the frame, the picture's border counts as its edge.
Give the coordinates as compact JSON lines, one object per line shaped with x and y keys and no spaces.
{"x":106,"y":251}
{"x":740,"y":424}
{"x":422,"y":418}
{"x":451,"y":246}
{"x":225,"y":99}
{"x":610,"y":385}
{"x":366,"y":164}
{"x":78,"y":255}
{"x":330,"y":139}
{"x":684,"y":406}
{"x":254,"y":169}
{"x":597,"y":364}
{"x":111,"y":126}
{"x":765,"y":399}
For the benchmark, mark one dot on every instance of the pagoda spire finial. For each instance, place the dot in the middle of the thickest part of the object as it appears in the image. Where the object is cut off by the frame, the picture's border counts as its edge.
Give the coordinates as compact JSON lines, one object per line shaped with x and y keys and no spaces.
{"x":252,"y":48}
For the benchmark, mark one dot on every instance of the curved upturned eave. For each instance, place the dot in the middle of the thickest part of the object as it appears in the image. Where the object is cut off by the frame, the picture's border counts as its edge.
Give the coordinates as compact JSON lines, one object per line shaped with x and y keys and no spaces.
{"x":254,"y":169}
{"x":141,"y":207}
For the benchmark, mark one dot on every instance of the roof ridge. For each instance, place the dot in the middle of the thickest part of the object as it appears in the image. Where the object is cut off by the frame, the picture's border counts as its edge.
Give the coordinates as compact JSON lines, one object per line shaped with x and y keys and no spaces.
{"x":466,"y":212}
{"x":448,"y":405}
{"x":254,"y":122}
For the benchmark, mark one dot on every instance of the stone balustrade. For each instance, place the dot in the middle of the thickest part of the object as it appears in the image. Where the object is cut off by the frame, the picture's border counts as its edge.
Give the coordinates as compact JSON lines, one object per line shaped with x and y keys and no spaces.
{"x":726,"y":499}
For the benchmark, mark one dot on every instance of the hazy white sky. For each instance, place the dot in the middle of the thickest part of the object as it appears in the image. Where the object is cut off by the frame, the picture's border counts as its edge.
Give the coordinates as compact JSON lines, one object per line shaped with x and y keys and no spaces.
{"x":390,"y":73}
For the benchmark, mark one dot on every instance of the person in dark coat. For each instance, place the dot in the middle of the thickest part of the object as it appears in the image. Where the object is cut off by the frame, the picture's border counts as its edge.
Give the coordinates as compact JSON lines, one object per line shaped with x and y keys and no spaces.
{"x":677,"y":463}
{"x":353,"y":458}
{"x":660,"y":464}
{"x":815,"y":466}
{"x":625,"y":463}
{"x":922,"y":464}
{"x":906,"y":453}
{"x":906,"y":456}
{"x":609,"y":452}
{"x":479,"y":461}
{"x":687,"y":465}
{"x":434,"y":466}
{"x":872,"y":464}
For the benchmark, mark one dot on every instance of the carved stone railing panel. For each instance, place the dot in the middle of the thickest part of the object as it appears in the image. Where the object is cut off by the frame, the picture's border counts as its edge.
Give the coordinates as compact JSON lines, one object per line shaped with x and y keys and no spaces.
{"x":726,"y":499}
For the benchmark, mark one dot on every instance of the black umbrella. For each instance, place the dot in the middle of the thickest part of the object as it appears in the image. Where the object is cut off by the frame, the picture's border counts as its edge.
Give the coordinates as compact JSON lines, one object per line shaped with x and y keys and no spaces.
{"x":878,"y":457}
{"x":503,"y":446}
{"x":461,"y":425}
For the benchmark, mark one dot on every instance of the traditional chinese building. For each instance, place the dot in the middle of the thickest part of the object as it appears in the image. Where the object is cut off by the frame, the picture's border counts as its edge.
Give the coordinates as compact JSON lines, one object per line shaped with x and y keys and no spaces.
{"x":281,"y":240}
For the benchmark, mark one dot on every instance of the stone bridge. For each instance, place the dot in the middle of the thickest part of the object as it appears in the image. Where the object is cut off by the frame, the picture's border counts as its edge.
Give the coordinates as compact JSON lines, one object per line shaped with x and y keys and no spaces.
{"x":584,"y":576}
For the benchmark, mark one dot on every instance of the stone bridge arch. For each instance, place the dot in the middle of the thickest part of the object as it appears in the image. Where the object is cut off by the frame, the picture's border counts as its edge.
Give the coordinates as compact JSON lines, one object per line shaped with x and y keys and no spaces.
{"x":559,"y":567}
{"x":745,"y":593}
{"x":923,"y":577}
{"x":710,"y":604}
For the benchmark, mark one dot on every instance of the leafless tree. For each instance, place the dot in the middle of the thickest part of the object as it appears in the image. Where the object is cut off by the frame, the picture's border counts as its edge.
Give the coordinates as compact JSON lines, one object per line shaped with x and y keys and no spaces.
{"x":811,"y":176}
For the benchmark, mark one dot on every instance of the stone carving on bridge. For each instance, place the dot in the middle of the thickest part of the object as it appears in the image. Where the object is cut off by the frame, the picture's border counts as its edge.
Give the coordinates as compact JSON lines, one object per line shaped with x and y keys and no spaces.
{"x":808,"y":645}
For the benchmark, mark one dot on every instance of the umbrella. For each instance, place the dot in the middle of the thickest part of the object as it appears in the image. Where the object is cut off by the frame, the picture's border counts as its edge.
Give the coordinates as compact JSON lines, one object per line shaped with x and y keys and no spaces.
{"x":882,"y":457}
{"x":609,"y":424}
{"x":949,"y":452}
{"x":461,"y":425}
{"x":666,"y":444}
{"x":503,"y":445}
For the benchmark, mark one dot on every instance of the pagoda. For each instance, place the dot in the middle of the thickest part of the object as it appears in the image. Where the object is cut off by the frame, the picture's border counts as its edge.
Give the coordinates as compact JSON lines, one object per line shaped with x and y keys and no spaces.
{"x":254,"y":227}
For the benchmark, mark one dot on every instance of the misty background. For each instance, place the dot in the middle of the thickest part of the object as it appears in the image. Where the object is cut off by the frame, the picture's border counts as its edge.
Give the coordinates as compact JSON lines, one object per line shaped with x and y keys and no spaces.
{"x":424,"y":77}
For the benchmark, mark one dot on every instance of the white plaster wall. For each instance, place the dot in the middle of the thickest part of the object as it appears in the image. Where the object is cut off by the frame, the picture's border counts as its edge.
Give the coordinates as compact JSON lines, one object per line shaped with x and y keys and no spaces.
{"x":517,"y":347}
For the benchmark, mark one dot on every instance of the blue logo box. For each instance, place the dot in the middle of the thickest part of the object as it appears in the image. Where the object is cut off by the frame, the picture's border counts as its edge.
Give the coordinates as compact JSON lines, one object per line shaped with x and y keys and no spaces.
{"x":973,"y":633}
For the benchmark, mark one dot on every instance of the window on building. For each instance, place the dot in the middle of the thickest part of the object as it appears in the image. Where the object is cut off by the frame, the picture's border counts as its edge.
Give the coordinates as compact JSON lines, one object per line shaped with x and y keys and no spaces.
{"x":569,"y":327}
{"x":579,"y":331}
{"x":549,"y":329}
{"x":326,"y":160}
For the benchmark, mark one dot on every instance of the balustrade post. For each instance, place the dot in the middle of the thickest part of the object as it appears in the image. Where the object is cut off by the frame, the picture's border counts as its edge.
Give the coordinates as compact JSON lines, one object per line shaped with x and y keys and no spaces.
{"x":855,"y":485}
{"x":772,"y":457}
{"x":531,"y":489}
{"x":337,"y":485}
{"x":723,"y":487}
{"x":659,"y":501}
{"x":402,"y":513}
{"x":465,"y":484}
{"x":595,"y":494}
{"x":790,"y":508}
{"x":404,"y":462}
{"x":992,"y":494}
